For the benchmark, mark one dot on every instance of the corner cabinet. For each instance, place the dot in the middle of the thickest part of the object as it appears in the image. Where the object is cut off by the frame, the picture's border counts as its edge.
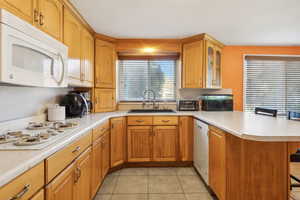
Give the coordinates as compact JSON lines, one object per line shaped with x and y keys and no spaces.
{"x":105,"y":64}
{"x":201,"y":62}
{"x":117,"y":141}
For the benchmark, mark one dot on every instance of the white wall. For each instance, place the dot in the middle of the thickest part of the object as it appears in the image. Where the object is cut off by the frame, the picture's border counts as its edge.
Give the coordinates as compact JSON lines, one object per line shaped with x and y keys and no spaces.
{"x":20,"y":102}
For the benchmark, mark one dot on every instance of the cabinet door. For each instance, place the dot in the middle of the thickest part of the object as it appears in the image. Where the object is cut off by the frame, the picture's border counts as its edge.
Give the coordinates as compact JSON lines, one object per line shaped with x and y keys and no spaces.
{"x":165,"y":143}
{"x":72,"y":38}
{"x":193,"y":65}
{"x":217,"y":172}
{"x":83,"y":176}
{"x":117,"y":141}
{"x":213,"y":65}
{"x":25,"y":9}
{"x":96,"y":167}
{"x":105,"y":154}
{"x":186,"y":138}
{"x":39,"y":195}
{"x":51,"y":18}
{"x":139,"y":143}
{"x":62,"y":187}
{"x":87,"y":57}
{"x":105,"y":64}
{"x":104,"y":100}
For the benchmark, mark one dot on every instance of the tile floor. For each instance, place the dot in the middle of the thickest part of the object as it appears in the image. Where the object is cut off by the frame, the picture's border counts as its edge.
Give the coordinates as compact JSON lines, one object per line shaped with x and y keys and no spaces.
{"x":153,"y":184}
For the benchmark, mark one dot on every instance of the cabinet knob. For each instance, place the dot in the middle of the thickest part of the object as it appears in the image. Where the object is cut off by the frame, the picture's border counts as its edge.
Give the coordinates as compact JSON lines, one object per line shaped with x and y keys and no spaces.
{"x":42,"y":22}
{"x":21,"y":193}
{"x":36,"y":15}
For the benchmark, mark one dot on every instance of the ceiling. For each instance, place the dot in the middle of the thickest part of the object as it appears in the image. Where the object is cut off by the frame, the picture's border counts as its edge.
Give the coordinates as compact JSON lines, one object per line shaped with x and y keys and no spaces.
{"x":233,"y":22}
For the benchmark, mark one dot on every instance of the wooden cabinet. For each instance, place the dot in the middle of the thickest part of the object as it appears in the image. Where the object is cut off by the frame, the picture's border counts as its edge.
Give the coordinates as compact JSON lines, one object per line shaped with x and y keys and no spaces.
{"x":105,"y":64}
{"x":193,"y":65}
{"x":186,"y":138}
{"x":104,"y":100}
{"x":83,"y":176}
{"x":25,"y":9}
{"x":139,"y":143}
{"x":97,"y":177}
{"x":87,"y":58}
{"x":217,"y":165}
{"x":72,"y":38}
{"x":62,"y":187}
{"x":105,"y":154}
{"x":201,"y":62}
{"x":39,"y":196}
{"x":165,"y":143}
{"x":51,"y":18}
{"x":117,"y":141}
{"x":26,"y":184}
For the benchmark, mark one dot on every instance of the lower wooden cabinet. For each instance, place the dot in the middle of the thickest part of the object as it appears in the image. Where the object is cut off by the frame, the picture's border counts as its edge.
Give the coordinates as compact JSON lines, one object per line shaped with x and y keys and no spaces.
{"x":39,"y":196}
{"x":217,"y":165}
{"x":117,"y":141}
{"x":62,"y":187}
{"x":186,"y":138}
{"x":74,"y":182}
{"x":104,"y":100}
{"x":139,"y":143}
{"x":105,"y":154}
{"x":83,"y":176}
{"x":97,"y":177}
{"x":165,"y":143}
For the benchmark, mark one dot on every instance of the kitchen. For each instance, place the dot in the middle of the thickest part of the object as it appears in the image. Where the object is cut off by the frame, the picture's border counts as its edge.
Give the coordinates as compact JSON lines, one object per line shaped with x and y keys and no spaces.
{"x":95,"y":107}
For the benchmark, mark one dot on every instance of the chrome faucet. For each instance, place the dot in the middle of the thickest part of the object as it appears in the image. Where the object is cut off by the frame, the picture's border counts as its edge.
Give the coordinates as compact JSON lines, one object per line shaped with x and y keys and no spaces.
{"x":153,"y":100}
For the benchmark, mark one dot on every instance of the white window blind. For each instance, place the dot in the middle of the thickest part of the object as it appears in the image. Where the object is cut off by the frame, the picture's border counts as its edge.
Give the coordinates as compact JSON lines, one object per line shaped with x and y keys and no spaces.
{"x":272,"y":82}
{"x":136,"y":76}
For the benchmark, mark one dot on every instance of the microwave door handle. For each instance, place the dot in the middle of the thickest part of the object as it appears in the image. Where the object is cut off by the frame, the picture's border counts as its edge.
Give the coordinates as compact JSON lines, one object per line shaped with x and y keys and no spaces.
{"x":63,"y":69}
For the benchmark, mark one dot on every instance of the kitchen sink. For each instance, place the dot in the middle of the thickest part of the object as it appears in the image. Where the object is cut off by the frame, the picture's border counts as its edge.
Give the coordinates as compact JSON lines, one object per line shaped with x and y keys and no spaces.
{"x":151,"y":111}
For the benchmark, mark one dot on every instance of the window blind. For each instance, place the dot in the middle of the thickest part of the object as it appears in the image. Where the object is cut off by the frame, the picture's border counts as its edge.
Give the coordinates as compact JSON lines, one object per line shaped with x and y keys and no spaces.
{"x":272,"y":82}
{"x":136,"y":76}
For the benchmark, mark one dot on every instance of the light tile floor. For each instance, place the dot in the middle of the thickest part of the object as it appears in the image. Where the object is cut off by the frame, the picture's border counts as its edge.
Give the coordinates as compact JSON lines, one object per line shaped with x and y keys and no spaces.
{"x":181,"y":183}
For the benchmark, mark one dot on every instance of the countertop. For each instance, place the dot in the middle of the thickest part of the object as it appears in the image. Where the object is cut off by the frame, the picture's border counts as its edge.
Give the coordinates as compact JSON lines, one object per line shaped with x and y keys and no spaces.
{"x":245,"y":126}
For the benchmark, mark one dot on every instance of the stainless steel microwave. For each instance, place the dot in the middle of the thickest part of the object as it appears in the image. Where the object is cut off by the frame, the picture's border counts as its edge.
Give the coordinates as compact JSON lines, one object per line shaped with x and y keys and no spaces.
{"x":217,"y":102}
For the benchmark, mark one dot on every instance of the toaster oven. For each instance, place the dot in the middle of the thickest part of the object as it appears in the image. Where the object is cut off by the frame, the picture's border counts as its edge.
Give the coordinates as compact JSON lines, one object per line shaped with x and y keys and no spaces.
{"x":188,"y":105}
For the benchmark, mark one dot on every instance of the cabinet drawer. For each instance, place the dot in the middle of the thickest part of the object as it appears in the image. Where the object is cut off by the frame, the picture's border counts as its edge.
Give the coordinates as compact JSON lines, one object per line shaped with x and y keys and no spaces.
{"x":28,"y":184}
{"x":39,"y":196}
{"x":100,"y":130}
{"x":165,"y":120}
{"x":140,"y":120}
{"x":61,"y":159}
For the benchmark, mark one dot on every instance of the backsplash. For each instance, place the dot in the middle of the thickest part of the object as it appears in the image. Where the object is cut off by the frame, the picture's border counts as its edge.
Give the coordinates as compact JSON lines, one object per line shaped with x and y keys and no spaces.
{"x":196,"y":93}
{"x":21,"y":102}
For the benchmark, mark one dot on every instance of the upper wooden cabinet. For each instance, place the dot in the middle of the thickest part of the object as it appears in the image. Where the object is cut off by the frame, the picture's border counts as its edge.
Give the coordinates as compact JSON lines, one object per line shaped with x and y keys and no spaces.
{"x":201,"y":62}
{"x":104,"y":100}
{"x":51,"y":17}
{"x":87,"y":58}
{"x":25,"y":9}
{"x":105,"y":64}
{"x":117,"y":141}
{"x":81,"y":51}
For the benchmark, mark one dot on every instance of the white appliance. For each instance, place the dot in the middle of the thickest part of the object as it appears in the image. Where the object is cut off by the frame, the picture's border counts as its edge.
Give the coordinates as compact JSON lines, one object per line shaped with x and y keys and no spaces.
{"x":56,"y":113}
{"x":201,"y":148}
{"x":30,"y":57}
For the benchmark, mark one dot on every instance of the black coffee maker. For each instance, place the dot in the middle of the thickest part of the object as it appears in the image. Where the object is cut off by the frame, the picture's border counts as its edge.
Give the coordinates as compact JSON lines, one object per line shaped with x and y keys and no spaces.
{"x":76,"y":105}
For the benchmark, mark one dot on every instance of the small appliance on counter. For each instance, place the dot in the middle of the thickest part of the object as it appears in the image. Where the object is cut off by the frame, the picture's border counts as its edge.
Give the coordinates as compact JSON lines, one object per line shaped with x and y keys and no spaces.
{"x":188,"y":105}
{"x":56,"y":113}
{"x":76,"y":105}
{"x":217,"y":102}
{"x":293,"y":115}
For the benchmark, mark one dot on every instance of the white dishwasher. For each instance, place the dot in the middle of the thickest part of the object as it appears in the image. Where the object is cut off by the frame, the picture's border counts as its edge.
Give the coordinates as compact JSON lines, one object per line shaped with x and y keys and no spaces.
{"x":201,"y":148}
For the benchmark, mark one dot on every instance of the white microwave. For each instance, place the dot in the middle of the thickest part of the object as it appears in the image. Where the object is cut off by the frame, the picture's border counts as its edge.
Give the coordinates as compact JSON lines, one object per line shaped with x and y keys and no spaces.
{"x":30,"y":57}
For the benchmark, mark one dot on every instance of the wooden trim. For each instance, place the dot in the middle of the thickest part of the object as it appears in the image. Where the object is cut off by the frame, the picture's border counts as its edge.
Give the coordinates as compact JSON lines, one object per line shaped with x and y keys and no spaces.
{"x":67,"y":4}
{"x":202,"y":36}
{"x":149,"y":57}
{"x":105,"y":37}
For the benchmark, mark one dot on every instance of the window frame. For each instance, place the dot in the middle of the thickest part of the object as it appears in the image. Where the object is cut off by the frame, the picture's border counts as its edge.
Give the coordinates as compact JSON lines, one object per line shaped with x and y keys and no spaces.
{"x":177,"y":76}
{"x":245,"y":72}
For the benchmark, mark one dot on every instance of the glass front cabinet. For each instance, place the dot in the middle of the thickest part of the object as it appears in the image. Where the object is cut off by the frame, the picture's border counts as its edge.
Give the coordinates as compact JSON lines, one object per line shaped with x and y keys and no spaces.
{"x":213,"y":66}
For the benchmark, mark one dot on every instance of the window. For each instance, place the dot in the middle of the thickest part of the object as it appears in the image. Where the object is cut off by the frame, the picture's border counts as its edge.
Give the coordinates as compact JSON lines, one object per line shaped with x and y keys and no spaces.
{"x":136,"y":76}
{"x":272,"y":82}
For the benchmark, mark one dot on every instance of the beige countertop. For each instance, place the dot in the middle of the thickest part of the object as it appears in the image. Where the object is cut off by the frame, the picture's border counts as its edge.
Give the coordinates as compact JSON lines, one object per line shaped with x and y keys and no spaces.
{"x":245,"y":126}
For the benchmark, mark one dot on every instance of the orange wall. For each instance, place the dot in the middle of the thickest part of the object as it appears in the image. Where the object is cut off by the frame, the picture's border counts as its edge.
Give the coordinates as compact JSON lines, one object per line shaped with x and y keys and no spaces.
{"x":233,"y":66}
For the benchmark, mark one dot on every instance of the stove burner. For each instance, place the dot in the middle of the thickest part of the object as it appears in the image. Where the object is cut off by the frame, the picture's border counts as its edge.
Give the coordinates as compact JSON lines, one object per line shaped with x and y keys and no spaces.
{"x":15,"y":133}
{"x":37,"y":126}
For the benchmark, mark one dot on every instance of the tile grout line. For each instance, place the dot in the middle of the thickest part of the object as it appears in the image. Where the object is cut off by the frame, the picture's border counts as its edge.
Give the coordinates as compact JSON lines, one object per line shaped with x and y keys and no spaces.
{"x":177,"y":176}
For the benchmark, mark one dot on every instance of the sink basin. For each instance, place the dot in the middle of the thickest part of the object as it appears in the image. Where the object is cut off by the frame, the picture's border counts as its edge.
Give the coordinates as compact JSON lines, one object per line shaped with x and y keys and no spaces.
{"x":151,"y":111}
